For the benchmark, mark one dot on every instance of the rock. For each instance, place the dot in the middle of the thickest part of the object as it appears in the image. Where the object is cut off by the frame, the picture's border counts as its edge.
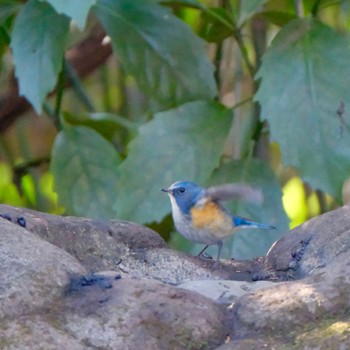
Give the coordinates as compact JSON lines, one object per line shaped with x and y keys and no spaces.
{"x":35,"y":332}
{"x":46,"y":291}
{"x":33,"y":272}
{"x":98,"y":245}
{"x":144,"y":314}
{"x":223,"y":291}
{"x":304,"y":312}
{"x":49,"y":289}
{"x":308,"y":248}
{"x":125,"y":247}
{"x":105,"y":312}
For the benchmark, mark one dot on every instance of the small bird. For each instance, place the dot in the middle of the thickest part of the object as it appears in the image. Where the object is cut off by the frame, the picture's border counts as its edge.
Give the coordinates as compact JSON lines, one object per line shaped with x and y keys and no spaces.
{"x":200,"y":218}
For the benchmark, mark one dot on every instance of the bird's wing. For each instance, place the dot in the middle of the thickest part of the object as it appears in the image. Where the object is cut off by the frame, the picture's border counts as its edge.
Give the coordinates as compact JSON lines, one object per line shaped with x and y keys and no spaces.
{"x":235,"y":191}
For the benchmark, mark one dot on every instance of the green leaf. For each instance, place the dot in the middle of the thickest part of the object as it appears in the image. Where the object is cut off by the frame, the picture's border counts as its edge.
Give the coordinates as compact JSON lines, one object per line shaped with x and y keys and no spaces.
{"x":217,"y":24}
{"x":248,"y":9}
{"x":179,"y":144}
{"x":107,"y":124}
{"x":249,"y":243}
{"x":304,"y":82}
{"x":38,"y":43}
{"x":7,"y":9}
{"x":78,"y":10}
{"x":278,"y":18}
{"x":84,"y":166}
{"x":3,"y":44}
{"x":166,"y":58}
{"x":187,"y":3}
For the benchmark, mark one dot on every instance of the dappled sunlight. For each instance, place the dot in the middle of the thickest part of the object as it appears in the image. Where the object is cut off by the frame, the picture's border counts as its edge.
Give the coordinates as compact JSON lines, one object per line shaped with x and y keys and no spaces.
{"x":324,"y":330}
{"x":30,"y":191}
{"x":294,"y":201}
{"x":298,"y":206}
{"x":339,"y":327}
{"x":277,"y":298}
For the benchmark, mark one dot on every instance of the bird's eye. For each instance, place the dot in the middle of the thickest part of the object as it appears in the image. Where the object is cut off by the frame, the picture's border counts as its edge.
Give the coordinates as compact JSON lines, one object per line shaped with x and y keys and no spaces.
{"x":182,"y":189}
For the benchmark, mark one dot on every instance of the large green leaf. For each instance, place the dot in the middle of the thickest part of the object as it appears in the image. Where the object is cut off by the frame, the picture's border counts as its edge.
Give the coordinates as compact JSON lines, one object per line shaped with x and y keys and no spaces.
{"x":249,"y":8}
{"x":78,"y":10}
{"x":38,"y":43}
{"x":180,"y":144}
{"x":84,"y":165}
{"x":246,"y":243}
{"x":305,"y":79}
{"x":166,"y":58}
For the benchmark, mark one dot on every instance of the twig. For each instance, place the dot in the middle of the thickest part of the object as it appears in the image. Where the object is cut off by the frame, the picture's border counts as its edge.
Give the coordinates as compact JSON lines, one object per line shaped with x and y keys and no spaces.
{"x":22,"y":168}
{"x":78,"y":87}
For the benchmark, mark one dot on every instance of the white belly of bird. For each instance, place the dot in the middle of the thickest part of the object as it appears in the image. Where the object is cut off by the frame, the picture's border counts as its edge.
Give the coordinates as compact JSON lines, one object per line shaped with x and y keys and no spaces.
{"x":203,"y":236}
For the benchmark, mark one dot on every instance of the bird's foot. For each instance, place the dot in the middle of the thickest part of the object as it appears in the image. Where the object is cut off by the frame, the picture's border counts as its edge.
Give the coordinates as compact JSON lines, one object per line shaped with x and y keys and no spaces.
{"x":204,"y":256}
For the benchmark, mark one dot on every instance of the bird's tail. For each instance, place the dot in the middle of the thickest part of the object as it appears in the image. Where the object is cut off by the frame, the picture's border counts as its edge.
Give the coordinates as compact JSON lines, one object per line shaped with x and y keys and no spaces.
{"x":241,"y":222}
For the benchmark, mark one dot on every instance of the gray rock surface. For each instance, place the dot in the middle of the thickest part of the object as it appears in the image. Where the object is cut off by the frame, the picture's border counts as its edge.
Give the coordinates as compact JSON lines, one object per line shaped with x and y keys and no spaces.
{"x":53,"y":294}
{"x":125,"y":247}
{"x":308,"y":248}
{"x":311,"y":313}
{"x":144,"y":314}
{"x":123,"y":314}
{"x":33,"y":272}
{"x":223,"y":291}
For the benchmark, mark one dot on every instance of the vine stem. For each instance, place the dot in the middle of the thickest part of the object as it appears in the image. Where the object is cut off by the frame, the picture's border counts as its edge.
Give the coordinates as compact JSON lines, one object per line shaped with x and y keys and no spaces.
{"x":78,"y":87}
{"x":22,"y":168}
{"x":238,"y":36}
{"x":59,"y":97}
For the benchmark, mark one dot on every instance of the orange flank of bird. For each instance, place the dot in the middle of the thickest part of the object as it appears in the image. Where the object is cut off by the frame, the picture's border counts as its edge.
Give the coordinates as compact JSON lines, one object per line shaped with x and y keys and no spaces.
{"x":209,"y":216}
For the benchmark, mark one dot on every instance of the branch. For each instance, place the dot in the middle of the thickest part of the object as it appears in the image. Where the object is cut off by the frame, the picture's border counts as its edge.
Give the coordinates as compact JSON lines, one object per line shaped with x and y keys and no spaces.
{"x":84,"y":58}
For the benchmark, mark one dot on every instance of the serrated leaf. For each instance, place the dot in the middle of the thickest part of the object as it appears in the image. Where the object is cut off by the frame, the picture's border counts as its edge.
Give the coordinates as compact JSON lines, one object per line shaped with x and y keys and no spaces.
{"x":78,"y":10}
{"x":38,"y":43}
{"x":166,"y":58}
{"x":84,"y":166}
{"x":304,"y":83}
{"x":246,"y":243}
{"x":179,"y":144}
{"x":248,"y":8}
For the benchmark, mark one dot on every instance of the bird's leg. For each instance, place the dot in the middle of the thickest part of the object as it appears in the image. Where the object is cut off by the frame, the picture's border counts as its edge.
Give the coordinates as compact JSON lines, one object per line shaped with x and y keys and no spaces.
{"x":219,"y":250}
{"x":217,"y":261}
{"x":202,"y":251}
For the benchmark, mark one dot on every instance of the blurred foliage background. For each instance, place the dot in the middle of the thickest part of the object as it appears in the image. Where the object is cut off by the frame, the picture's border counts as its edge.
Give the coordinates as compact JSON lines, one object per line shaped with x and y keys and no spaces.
{"x":104,"y":102}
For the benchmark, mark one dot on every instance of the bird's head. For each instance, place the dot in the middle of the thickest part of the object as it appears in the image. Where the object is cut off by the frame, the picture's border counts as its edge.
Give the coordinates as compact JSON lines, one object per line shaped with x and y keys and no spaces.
{"x":184,"y":195}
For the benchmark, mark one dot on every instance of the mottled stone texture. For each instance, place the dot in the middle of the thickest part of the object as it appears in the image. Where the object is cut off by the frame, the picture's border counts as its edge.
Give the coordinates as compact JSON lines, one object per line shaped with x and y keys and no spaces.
{"x":76,"y":283}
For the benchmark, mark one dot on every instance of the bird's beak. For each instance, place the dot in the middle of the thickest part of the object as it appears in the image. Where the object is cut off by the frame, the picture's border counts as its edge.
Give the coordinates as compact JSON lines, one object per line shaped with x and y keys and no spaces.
{"x":167,"y":190}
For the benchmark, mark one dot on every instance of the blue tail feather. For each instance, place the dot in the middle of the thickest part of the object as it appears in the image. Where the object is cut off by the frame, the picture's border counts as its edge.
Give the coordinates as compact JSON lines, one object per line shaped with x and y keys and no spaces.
{"x":238,"y":221}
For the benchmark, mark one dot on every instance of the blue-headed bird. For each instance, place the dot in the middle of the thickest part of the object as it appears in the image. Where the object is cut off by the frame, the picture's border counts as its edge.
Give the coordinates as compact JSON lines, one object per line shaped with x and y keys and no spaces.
{"x":200,"y":218}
